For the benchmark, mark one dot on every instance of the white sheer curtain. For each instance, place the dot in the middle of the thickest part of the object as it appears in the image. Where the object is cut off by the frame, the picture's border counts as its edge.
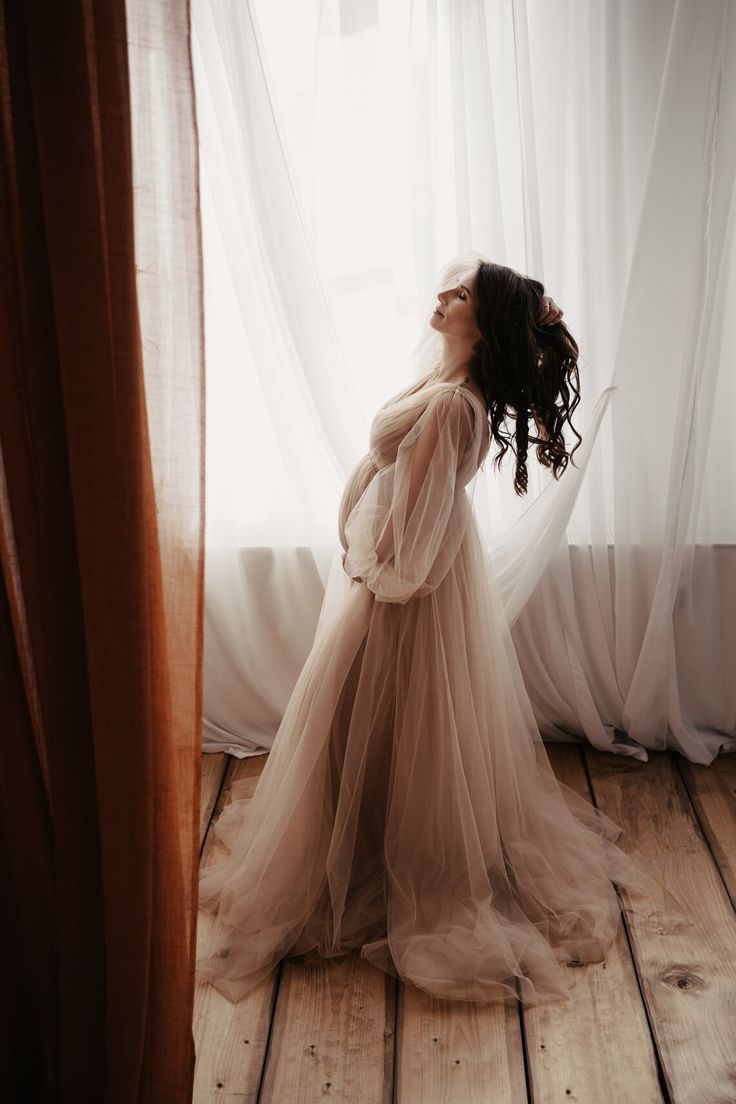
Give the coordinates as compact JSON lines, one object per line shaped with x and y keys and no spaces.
{"x":348,"y":150}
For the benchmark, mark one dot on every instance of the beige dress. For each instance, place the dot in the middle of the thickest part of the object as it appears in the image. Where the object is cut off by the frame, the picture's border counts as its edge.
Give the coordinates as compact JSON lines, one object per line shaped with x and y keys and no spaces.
{"x":408,"y":809}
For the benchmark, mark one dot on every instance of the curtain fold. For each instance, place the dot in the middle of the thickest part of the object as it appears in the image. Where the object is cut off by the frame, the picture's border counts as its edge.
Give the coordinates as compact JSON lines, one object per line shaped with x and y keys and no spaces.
{"x":101,"y":507}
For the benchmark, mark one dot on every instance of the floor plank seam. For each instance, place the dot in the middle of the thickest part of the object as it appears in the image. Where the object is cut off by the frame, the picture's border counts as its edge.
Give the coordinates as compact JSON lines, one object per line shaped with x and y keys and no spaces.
{"x":271,"y":1020}
{"x":524,"y":1049}
{"x":215,"y":811}
{"x":666,"y":1096}
{"x":394,"y":1045}
{"x":701,"y":829}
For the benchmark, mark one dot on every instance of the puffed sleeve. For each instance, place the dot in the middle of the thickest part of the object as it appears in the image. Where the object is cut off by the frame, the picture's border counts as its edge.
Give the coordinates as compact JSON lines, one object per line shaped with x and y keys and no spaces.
{"x":406,"y":529}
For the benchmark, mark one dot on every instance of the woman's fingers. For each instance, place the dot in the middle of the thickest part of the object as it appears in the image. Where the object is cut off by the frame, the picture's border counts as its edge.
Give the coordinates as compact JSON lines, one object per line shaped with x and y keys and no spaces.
{"x":551,"y":312}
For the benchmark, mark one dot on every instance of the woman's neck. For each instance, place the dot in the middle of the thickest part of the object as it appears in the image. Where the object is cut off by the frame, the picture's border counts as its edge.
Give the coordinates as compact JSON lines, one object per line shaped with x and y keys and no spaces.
{"x":458,"y":374}
{"x":454,"y":364}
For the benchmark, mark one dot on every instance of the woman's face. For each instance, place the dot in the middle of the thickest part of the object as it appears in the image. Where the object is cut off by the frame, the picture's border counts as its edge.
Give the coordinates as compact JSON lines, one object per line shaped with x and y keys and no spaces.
{"x":454,"y":312}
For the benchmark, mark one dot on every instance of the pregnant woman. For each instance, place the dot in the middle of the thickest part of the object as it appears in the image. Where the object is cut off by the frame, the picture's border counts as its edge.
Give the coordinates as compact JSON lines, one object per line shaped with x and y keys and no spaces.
{"x":408,"y":810}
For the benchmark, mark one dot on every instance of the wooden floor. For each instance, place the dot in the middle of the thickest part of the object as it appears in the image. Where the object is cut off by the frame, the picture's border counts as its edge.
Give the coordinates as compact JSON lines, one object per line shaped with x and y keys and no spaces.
{"x":655,"y":1022}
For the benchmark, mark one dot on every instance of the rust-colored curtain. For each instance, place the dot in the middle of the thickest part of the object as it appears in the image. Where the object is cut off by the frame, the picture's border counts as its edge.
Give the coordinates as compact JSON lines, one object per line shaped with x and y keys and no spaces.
{"x":101,"y":544}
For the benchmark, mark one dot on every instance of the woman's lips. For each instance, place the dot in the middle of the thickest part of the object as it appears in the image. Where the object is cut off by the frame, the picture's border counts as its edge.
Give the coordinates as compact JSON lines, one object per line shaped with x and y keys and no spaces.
{"x":439,"y":313}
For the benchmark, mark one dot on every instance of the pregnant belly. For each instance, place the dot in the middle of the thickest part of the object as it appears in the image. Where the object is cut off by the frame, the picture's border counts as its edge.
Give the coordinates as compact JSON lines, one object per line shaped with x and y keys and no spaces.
{"x":357,"y":482}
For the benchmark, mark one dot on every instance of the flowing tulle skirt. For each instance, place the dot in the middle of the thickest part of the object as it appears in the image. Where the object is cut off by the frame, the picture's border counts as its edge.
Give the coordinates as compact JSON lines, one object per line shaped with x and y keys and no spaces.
{"x":408,"y":811}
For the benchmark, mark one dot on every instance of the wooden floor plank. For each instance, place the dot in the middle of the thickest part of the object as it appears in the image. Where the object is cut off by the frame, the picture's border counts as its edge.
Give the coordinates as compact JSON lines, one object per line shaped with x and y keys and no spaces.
{"x":333,"y":1033}
{"x":457,"y":1052}
{"x":214,"y":769}
{"x":596,"y":1047}
{"x":684,"y":938}
{"x":230,"y":1039}
{"x":712,"y":790}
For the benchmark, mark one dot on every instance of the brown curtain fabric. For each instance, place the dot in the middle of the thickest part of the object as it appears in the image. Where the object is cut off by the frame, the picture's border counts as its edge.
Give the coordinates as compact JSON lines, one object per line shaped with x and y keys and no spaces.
{"x":101,"y":548}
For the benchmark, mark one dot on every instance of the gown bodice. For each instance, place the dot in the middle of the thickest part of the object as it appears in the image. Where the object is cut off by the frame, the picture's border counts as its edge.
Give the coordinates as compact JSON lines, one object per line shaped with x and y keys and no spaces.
{"x":389,"y":428}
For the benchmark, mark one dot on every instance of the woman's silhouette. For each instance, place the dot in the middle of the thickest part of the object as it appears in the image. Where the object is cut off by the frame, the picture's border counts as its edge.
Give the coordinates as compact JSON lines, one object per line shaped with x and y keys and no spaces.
{"x":408,"y":809}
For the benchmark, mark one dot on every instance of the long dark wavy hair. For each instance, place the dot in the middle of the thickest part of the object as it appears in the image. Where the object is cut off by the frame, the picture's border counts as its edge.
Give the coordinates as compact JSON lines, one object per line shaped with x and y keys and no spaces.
{"x":524,"y":368}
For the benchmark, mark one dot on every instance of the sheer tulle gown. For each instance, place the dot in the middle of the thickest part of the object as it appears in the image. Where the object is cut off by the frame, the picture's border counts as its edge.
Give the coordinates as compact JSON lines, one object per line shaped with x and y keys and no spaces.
{"x":408,"y":809}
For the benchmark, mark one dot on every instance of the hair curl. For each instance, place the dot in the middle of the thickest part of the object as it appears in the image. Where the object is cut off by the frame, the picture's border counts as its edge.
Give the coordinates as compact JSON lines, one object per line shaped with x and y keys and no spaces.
{"x":524,"y":367}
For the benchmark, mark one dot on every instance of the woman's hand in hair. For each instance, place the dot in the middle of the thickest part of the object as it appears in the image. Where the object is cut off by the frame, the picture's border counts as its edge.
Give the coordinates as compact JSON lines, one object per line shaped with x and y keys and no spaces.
{"x":551,"y":313}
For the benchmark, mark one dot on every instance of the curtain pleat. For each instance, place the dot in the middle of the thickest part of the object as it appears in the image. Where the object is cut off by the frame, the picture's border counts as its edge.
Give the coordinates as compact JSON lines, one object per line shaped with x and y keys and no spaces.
{"x":101,"y":503}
